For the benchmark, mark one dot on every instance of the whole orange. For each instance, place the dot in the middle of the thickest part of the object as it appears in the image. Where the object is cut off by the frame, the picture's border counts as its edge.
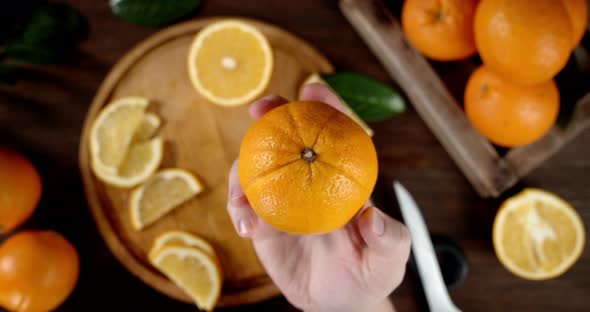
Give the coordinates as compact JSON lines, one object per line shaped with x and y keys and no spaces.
{"x":440,"y":29}
{"x":38,"y":270}
{"x":525,"y":41}
{"x":307,"y":168}
{"x":509,"y":114}
{"x":20,"y":189}
{"x":578,"y":13}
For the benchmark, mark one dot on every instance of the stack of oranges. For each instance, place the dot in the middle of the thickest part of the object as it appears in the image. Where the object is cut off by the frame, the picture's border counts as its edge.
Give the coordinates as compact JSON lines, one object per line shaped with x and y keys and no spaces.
{"x":38,"y":269}
{"x":511,"y":99}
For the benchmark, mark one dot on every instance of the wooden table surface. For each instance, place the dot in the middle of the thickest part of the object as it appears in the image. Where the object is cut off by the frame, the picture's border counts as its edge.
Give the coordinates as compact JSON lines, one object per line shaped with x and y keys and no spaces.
{"x":42,"y":116}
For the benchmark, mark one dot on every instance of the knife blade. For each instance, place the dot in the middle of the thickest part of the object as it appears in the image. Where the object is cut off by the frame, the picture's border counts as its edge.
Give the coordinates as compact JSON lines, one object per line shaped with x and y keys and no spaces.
{"x":428,"y":268}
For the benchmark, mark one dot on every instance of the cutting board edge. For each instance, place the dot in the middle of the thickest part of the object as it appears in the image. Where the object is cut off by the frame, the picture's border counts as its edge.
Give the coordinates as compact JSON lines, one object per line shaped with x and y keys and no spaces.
{"x":114,"y":243}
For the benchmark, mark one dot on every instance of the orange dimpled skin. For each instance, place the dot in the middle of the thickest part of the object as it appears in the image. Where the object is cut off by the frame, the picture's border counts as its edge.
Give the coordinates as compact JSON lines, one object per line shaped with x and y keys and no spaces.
{"x":307,"y":168}
{"x":20,"y":189}
{"x":38,"y":271}
{"x":441,"y":29}
{"x":507,"y":114}
{"x":578,"y":13}
{"x":526,"y":42}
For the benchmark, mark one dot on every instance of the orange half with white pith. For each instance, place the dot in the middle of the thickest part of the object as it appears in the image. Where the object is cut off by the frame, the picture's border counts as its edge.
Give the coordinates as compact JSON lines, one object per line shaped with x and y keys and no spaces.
{"x":230,"y":62}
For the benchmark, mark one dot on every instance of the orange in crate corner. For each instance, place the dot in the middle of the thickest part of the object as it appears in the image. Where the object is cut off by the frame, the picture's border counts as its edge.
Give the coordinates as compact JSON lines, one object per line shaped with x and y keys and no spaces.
{"x":508,"y":114}
{"x":20,"y":189}
{"x":441,"y":29}
{"x":307,"y":168}
{"x":526,"y":42}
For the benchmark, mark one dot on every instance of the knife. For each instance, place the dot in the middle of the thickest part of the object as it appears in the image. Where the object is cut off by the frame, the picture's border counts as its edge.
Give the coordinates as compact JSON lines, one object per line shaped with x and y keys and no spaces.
{"x":429,"y":270}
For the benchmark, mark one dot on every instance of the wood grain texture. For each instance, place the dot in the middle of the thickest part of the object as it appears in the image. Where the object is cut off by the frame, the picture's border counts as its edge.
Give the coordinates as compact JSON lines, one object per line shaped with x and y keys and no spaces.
{"x":200,"y":137}
{"x":43,"y":114}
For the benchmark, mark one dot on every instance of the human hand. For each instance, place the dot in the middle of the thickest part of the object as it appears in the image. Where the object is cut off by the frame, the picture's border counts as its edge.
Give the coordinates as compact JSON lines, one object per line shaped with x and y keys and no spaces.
{"x":354,"y":268}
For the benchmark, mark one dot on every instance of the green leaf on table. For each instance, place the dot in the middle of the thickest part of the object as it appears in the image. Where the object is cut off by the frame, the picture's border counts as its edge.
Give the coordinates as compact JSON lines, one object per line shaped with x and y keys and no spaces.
{"x":34,"y":54}
{"x":153,"y":12}
{"x":8,"y":74}
{"x":14,"y":18}
{"x":370,"y":99}
{"x":52,"y":29}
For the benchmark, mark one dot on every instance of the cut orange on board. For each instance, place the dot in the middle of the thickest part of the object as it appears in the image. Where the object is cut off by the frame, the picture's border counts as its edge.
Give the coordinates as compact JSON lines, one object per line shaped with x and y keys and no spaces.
{"x":230,"y":62}
{"x":180,"y":238}
{"x":538,"y":235}
{"x":113,"y":131}
{"x":123,"y":153}
{"x":148,"y":126}
{"x":194,"y":271}
{"x":141,"y":161}
{"x":160,"y":194}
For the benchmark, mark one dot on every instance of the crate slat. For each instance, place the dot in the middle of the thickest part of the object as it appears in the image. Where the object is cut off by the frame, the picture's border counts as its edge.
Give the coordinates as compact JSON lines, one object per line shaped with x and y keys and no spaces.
{"x":473,"y":154}
{"x":525,"y":159}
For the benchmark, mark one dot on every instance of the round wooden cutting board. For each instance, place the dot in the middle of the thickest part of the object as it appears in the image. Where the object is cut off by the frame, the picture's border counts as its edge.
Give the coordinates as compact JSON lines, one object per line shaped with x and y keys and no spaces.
{"x":199,"y":136}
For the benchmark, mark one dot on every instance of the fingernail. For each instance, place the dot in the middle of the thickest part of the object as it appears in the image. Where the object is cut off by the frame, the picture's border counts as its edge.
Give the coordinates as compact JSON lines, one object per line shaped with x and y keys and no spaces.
{"x":235,"y":192}
{"x":244,"y":227}
{"x":378,"y":223}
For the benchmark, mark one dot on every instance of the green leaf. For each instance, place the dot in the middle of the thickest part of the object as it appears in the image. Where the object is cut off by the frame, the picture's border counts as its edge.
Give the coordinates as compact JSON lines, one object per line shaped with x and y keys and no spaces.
{"x":153,"y":12}
{"x":8,"y":74}
{"x":13,"y":18}
{"x":73,"y":25}
{"x":55,"y":23}
{"x":370,"y":99}
{"x":33,"y":54}
{"x":52,"y":29}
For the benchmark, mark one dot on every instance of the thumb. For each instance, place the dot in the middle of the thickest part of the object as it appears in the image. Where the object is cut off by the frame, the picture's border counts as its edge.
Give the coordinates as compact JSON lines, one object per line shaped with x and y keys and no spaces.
{"x":388,"y":248}
{"x":246,"y":223}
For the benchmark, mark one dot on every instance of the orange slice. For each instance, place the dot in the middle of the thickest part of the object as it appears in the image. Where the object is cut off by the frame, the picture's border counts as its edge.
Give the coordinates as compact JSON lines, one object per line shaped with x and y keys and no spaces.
{"x":537,"y":235}
{"x":160,"y":194}
{"x":230,"y":62}
{"x":113,"y":130}
{"x":180,"y":238}
{"x":122,"y":152}
{"x":194,"y":271}
{"x":148,"y":126}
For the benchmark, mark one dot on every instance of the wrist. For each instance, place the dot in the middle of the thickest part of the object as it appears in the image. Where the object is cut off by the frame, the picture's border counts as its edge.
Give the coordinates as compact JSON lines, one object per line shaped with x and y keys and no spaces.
{"x":384,"y":305}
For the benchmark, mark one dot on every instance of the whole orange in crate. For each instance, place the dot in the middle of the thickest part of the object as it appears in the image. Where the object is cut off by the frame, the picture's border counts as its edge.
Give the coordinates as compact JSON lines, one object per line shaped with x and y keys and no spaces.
{"x":307,"y":168}
{"x":578,"y":14}
{"x":526,"y":42}
{"x":509,"y":114}
{"x":441,"y":29}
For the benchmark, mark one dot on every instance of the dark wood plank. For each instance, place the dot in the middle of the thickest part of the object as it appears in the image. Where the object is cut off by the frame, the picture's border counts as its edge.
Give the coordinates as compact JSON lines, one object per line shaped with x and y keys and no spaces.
{"x":42,"y":116}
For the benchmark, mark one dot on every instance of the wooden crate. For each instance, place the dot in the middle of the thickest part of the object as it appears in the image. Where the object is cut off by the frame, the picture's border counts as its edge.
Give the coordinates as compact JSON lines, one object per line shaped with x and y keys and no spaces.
{"x":489,"y":172}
